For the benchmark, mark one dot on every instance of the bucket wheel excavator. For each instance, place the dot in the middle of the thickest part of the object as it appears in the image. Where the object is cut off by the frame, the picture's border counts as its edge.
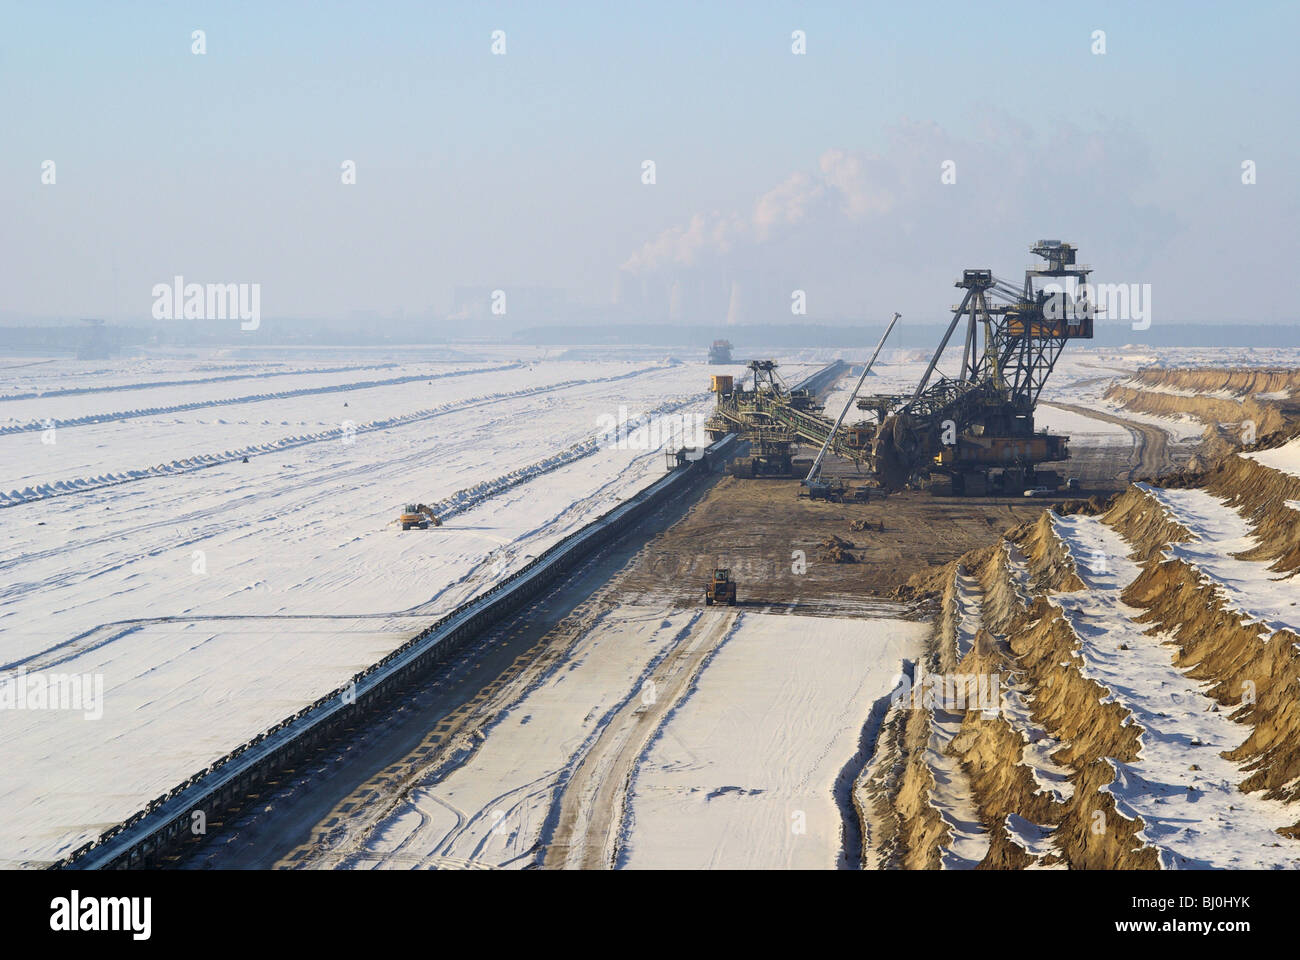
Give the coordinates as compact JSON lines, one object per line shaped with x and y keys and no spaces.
{"x":977,"y":428}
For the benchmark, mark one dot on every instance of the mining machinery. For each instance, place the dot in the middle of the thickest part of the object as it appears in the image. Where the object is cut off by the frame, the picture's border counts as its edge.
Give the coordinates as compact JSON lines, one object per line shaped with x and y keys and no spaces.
{"x":772,"y":416}
{"x":978,"y":428}
{"x":417,"y":515}
{"x":975,"y":429}
{"x":817,"y":487}
{"x":721,"y":589}
{"x":720,"y":351}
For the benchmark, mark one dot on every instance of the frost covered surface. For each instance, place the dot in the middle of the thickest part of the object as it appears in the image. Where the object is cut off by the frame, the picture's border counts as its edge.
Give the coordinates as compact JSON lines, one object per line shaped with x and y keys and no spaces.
{"x":1193,"y":818}
{"x":1035,"y":840}
{"x":952,"y":795}
{"x":1247,"y":586}
{"x":215,"y":601}
{"x":1083,"y":431}
{"x":754,"y":751}
{"x":1184,"y":428}
{"x":1018,"y":569}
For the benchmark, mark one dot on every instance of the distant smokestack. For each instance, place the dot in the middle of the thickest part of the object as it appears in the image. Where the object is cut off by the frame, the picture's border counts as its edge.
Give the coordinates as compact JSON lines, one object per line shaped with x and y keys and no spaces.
{"x":734,"y":312}
{"x":675,"y":302}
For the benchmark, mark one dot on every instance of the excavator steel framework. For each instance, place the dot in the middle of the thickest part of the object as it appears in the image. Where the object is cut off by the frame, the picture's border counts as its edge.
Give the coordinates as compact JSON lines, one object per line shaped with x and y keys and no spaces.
{"x":976,"y":429}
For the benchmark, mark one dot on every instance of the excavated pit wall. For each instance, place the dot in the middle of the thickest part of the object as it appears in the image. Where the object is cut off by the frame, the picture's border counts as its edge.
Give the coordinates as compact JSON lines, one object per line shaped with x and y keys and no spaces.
{"x":1243,"y":381}
{"x":1030,"y":643}
{"x":1237,"y":405}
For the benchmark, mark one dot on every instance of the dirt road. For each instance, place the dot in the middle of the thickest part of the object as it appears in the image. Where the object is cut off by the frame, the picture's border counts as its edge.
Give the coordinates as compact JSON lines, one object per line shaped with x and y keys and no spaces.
{"x":1150,"y":454}
{"x":590,"y":811}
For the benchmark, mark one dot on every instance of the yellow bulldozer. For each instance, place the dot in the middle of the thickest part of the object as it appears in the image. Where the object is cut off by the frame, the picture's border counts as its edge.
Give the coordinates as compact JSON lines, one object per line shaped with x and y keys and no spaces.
{"x":419,"y":516}
{"x":721,"y":589}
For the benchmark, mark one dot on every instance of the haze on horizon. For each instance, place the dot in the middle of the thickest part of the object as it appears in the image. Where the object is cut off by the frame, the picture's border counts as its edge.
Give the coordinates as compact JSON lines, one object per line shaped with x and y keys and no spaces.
{"x":774,"y":171}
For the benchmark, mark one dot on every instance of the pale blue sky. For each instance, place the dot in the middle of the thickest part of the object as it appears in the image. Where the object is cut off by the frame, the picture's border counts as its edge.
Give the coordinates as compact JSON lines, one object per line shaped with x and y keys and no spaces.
{"x":524,"y":170}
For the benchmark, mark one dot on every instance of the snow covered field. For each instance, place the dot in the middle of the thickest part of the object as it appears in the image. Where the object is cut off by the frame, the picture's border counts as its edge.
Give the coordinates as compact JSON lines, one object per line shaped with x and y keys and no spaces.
{"x":493,"y":809}
{"x":213,"y":597}
{"x":675,"y":739}
{"x":209,"y":597}
{"x":744,"y":772}
{"x":1283,"y":459}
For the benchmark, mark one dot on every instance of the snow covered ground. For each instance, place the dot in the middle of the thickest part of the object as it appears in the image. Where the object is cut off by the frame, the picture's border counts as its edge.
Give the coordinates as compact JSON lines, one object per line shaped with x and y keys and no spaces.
{"x":953,"y":797}
{"x":661,"y":739}
{"x":1182,"y":429}
{"x":744,"y":772}
{"x":1083,"y":431}
{"x":1180,"y":785}
{"x":213,"y":597}
{"x":493,"y":808}
{"x":1283,"y":459}
{"x":1221,"y":533}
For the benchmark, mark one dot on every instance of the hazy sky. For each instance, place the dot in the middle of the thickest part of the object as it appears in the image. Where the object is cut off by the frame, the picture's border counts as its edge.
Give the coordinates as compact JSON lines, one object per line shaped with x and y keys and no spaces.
{"x":774,"y":171}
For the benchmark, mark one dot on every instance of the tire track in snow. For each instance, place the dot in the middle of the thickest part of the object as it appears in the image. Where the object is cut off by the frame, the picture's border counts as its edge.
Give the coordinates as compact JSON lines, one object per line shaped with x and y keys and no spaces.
{"x":462,"y":501}
{"x":203,"y":461}
{"x":97,"y":418}
{"x":591,"y":814}
{"x":153,"y":384}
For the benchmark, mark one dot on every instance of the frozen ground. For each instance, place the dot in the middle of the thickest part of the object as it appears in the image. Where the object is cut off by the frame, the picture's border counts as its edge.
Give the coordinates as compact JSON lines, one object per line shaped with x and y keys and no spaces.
{"x":493,"y":808}
{"x":1221,"y":534}
{"x":1182,"y":429}
{"x":214,"y":597}
{"x":1283,"y":459}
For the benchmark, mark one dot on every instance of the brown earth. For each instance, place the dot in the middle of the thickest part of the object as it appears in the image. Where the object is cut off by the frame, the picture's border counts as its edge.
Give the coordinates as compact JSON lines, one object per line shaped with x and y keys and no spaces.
{"x":774,"y":543}
{"x":1250,"y":402}
{"x":1244,"y":381}
{"x":1027,"y":641}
